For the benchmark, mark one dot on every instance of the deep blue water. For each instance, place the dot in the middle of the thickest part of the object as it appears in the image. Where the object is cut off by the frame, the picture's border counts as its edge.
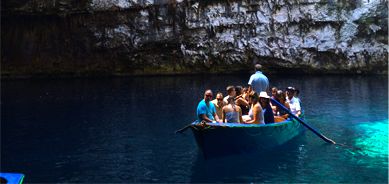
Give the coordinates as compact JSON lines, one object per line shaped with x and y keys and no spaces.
{"x":122,"y":130}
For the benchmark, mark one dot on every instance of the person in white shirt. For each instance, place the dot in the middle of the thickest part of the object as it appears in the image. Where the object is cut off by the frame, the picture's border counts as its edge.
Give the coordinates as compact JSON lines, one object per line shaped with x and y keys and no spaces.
{"x":294,"y":103}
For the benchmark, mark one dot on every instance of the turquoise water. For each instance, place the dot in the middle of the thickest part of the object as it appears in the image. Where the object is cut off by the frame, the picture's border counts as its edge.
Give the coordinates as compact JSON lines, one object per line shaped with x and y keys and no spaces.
{"x":373,"y":140}
{"x":122,"y":130}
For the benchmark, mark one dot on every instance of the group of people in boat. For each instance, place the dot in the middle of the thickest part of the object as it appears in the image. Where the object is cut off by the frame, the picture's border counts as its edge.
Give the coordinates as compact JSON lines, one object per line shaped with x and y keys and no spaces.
{"x":251,"y":105}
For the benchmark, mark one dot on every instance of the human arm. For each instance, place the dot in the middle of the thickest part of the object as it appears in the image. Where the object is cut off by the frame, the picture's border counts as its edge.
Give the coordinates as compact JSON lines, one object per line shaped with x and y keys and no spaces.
{"x":286,"y":104}
{"x":251,"y":80}
{"x":246,"y":96}
{"x":240,"y":115}
{"x":242,"y":101}
{"x":205,"y":118}
{"x":274,"y":108}
{"x":223,"y":115}
{"x":298,"y":109}
{"x":203,"y":112}
{"x":213,"y":112}
{"x":217,"y":117}
{"x":256,"y":115}
{"x":250,"y":89}
{"x":285,"y":116}
{"x":298,"y":113}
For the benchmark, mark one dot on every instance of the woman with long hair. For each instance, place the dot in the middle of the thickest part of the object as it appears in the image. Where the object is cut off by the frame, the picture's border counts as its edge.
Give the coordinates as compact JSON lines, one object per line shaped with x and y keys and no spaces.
{"x":241,"y":101}
{"x":231,"y":112}
{"x":280,"y":114}
{"x":255,"y":115}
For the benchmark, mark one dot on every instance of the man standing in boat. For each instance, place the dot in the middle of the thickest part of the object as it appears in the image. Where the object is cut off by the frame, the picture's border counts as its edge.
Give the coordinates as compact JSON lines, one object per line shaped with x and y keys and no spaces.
{"x":258,"y":81}
{"x":206,"y":111}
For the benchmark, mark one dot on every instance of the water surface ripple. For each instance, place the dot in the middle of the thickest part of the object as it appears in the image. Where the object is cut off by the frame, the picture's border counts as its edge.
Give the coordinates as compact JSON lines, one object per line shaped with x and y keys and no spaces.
{"x":122,"y":130}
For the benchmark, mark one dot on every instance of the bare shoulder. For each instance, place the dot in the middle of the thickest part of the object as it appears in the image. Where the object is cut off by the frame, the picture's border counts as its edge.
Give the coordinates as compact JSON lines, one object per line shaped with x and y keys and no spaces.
{"x":257,"y":107}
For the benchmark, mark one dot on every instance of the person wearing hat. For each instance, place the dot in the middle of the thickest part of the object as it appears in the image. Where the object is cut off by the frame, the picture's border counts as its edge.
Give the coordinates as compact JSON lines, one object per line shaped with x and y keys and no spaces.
{"x":294,"y":103}
{"x":258,"y":81}
{"x":264,"y":100}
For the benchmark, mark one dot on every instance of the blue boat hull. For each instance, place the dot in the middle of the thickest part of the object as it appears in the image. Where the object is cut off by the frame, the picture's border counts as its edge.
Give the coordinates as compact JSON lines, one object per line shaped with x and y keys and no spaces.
{"x":11,"y":178}
{"x":222,"y":139}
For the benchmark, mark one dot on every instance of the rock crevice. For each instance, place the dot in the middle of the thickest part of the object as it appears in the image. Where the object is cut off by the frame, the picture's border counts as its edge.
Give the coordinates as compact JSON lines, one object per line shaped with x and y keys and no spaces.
{"x":123,"y":37}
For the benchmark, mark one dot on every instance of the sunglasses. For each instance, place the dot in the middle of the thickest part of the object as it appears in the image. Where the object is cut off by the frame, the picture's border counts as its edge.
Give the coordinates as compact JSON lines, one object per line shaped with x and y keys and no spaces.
{"x":220,"y":99}
{"x":209,"y":96}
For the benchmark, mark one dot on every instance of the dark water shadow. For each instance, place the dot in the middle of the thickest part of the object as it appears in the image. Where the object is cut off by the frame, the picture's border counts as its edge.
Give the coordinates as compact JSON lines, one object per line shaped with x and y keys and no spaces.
{"x":253,"y":167}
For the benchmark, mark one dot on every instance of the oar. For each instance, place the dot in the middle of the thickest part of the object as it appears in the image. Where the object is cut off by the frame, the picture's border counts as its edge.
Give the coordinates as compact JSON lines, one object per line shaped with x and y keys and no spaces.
{"x":203,"y":123}
{"x":183,"y":129}
{"x":302,"y":122}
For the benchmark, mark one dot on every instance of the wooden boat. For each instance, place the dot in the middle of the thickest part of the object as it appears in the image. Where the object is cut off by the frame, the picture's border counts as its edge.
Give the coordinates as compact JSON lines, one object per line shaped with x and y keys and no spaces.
{"x":222,"y":139}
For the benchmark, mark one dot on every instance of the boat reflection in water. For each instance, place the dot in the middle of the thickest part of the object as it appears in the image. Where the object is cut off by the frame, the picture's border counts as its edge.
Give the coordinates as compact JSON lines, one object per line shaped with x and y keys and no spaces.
{"x":266,"y":166}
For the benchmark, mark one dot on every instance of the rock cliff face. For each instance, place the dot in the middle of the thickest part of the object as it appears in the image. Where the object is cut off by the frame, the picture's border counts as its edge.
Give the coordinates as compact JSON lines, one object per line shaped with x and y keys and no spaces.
{"x":122,"y":37}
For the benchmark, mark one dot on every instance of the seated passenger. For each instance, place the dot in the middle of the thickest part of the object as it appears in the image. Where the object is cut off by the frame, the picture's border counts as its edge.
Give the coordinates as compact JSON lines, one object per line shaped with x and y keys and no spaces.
{"x":264,"y":100}
{"x":273,"y":96}
{"x":231,"y":112}
{"x":255,"y":115}
{"x":241,"y":101}
{"x":296,"y":95}
{"x":219,"y":104}
{"x":245,"y":94}
{"x":206,"y":110}
{"x":230,"y":93}
{"x":281,"y":97}
{"x":273,"y":92}
{"x":294,"y":104}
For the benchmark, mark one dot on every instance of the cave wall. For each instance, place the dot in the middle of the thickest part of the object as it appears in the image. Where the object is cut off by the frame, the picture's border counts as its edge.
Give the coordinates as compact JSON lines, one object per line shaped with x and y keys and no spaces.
{"x":126,"y":37}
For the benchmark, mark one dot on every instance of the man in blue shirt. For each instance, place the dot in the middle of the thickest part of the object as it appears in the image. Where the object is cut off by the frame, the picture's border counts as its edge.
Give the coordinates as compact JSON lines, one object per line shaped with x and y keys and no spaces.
{"x":205,"y":110}
{"x":258,"y":82}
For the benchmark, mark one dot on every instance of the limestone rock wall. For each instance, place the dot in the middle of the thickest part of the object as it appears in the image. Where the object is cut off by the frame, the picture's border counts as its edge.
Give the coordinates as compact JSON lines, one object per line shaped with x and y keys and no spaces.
{"x":123,"y":37}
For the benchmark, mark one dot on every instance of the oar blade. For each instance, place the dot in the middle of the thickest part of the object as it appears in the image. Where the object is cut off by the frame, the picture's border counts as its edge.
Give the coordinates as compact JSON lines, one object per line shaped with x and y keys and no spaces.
{"x":182,"y":130}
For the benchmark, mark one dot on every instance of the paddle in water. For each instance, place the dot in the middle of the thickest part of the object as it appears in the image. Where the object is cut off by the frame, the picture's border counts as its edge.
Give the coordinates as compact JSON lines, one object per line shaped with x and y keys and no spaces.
{"x":302,"y":122}
{"x":183,"y":129}
{"x":202,"y":123}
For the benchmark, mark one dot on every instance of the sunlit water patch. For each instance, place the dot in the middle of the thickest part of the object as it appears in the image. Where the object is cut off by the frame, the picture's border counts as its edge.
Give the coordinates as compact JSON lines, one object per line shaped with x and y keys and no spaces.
{"x":374,"y":140}
{"x":371,"y":145}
